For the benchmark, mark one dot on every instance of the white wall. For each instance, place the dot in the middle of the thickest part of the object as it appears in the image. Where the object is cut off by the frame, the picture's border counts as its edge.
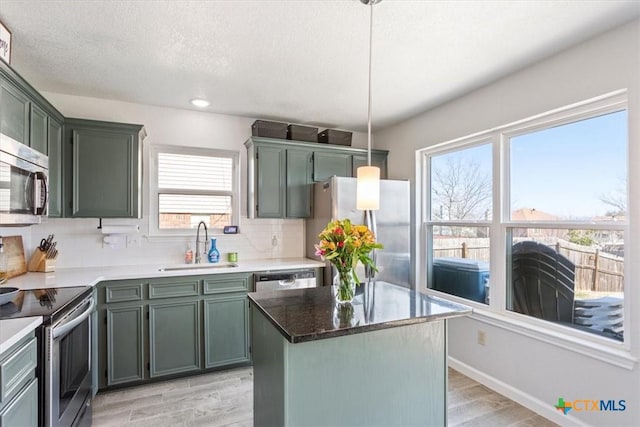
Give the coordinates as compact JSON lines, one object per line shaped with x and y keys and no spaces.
{"x":526,"y":369}
{"x":80,"y":243}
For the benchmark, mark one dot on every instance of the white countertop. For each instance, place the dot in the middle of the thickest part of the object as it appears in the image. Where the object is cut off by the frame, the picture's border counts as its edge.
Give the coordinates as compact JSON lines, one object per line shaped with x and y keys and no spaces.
{"x":13,"y":330}
{"x":90,"y":276}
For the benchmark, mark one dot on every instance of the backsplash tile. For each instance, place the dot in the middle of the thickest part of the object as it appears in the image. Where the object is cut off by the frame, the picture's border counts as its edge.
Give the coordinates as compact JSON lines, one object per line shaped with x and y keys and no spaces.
{"x":81,"y":244}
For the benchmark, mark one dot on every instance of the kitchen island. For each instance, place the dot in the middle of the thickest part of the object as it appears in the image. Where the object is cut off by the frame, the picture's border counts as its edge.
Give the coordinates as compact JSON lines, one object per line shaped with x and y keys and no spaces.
{"x":380,"y":360}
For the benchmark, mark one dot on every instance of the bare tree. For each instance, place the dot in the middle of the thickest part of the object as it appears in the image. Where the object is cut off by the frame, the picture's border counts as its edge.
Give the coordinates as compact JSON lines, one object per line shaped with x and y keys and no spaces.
{"x":617,"y":199}
{"x":460,"y":190}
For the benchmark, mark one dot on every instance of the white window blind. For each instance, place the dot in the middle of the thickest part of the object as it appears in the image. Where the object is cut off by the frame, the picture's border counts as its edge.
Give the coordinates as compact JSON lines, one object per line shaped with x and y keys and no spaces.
{"x":193,"y":185}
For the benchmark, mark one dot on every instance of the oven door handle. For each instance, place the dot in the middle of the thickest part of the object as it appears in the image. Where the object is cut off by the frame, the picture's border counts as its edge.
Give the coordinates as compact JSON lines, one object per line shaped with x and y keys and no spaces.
{"x":63,"y":329}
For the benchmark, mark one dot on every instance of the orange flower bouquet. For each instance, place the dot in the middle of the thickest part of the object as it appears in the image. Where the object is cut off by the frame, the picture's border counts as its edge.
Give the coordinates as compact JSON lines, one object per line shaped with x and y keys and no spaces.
{"x":345,"y":245}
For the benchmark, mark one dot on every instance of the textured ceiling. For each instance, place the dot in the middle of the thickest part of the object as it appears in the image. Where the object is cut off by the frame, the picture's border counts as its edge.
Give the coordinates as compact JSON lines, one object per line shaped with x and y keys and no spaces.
{"x":295,"y":61}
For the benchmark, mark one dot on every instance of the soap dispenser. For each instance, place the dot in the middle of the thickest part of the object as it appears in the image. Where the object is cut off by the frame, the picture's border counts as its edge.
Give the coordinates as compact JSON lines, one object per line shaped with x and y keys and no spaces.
{"x":214,"y":254}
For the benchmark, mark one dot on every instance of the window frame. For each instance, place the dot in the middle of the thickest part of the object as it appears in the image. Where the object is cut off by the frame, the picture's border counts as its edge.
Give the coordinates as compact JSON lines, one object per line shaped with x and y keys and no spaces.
{"x":500,"y":226}
{"x":154,"y":229}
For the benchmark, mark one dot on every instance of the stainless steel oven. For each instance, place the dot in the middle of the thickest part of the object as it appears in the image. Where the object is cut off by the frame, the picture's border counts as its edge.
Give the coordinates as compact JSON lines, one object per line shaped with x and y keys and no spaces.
{"x":68,"y":367}
{"x":24,"y":174}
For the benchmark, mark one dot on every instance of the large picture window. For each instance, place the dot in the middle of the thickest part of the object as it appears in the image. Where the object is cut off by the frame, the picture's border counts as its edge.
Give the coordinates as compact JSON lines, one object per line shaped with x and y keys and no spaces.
{"x":535,"y":214}
{"x":192,"y":185}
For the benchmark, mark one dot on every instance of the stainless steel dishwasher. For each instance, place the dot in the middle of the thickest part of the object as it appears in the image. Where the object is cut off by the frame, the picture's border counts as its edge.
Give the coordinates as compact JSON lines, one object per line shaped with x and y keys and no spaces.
{"x":267,"y":281}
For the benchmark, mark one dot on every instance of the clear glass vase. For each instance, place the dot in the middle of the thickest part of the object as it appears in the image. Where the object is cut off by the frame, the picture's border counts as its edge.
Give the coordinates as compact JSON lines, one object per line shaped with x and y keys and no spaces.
{"x":344,"y":287}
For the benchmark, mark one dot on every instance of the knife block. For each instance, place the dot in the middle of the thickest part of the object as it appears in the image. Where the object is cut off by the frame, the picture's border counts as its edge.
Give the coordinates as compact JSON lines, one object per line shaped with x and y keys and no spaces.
{"x":40,"y":263}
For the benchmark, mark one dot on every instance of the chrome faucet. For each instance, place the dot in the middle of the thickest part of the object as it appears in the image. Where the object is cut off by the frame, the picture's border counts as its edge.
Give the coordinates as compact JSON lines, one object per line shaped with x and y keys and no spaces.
{"x":206,"y":240}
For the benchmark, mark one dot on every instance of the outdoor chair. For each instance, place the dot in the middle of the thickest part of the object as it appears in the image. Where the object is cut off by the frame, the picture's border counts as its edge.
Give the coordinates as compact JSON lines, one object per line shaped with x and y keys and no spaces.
{"x":543,"y":282}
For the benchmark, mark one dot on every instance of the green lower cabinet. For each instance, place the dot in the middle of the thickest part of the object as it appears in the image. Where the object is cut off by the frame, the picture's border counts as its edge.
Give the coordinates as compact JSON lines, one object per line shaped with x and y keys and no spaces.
{"x":174,"y":337}
{"x":125,"y":344}
{"x":170,"y":327}
{"x":23,"y":410}
{"x":226,"y":330}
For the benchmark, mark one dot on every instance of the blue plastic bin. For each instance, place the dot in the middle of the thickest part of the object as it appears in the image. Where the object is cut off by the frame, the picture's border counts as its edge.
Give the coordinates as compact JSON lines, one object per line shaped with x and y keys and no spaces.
{"x":466,"y":278}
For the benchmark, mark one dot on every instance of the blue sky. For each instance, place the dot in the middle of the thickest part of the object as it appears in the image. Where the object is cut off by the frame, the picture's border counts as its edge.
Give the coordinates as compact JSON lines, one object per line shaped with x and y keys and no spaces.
{"x":563,"y":170}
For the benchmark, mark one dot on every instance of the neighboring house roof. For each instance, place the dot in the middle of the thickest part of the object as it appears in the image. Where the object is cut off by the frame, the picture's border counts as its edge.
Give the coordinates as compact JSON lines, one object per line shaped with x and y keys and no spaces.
{"x":532,"y":214}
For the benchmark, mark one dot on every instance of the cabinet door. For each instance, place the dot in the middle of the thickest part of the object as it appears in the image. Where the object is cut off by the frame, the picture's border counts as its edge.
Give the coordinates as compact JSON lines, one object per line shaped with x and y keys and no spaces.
{"x":299,"y":171}
{"x":125,"y":344}
{"x":104,"y":173}
{"x":23,"y":409}
{"x":326,"y":165}
{"x":14,"y":113}
{"x":55,"y":168}
{"x":270,"y":174}
{"x":379,"y":160}
{"x":39,"y":129}
{"x":226,"y":330}
{"x":174,"y":337}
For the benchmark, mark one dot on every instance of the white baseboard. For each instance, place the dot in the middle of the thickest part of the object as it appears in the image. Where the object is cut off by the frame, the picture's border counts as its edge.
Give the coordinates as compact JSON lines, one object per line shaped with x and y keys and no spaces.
{"x":545,"y":409}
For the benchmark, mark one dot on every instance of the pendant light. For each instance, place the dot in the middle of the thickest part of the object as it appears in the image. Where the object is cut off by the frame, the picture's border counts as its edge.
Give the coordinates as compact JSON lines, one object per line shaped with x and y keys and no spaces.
{"x":368,"y":177}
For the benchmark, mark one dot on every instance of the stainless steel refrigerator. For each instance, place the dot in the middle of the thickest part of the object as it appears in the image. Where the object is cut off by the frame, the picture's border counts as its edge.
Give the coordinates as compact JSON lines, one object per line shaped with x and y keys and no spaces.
{"x":336,"y":199}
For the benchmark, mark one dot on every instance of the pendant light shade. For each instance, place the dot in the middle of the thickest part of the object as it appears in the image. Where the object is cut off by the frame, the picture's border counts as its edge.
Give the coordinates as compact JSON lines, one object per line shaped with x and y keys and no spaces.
{"x":368,"y":177}
{"x":368,"y":188}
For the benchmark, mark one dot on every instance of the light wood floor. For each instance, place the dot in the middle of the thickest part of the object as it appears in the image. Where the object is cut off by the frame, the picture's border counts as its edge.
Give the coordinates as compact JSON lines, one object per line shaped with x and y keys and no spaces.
{"x":225,"y":399}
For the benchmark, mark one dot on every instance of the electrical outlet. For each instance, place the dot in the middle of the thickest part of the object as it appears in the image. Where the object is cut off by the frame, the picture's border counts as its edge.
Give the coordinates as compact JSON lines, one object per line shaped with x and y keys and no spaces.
{"x":133,"y":240}
{"x":482,"y":338}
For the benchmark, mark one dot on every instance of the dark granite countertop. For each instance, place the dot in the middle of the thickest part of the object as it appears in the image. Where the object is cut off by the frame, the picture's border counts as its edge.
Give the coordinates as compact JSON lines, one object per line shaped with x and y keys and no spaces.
{"x":312,"y":314}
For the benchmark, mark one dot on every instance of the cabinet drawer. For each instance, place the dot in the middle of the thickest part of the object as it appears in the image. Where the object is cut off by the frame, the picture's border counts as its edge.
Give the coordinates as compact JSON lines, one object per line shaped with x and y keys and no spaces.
{"x":184,"y":288}
{"x":121,"y":292}
{"x":23,"y":410}
{"x":227,"y":283}
{"x":16,"y":369}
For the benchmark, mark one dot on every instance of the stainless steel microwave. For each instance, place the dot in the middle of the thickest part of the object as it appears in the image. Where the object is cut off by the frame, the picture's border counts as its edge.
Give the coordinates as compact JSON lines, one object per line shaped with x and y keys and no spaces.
{"x":24,"y":179}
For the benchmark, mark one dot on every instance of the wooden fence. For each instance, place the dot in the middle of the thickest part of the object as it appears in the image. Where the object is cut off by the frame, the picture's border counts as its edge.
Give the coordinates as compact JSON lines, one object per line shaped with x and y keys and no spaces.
{"x":595,"y":270}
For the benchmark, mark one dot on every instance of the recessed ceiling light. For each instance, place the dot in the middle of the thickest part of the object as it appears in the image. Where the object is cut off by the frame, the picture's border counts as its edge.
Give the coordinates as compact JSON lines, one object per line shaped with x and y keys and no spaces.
{"x":200,"y":102}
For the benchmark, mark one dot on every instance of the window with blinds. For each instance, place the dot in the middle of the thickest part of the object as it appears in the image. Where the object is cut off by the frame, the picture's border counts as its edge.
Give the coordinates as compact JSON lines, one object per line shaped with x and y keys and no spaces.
{"x":194,"y":185}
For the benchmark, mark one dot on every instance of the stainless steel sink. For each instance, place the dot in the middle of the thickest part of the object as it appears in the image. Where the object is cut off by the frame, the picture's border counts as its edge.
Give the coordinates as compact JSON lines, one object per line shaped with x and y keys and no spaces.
{"x":199,"y":267}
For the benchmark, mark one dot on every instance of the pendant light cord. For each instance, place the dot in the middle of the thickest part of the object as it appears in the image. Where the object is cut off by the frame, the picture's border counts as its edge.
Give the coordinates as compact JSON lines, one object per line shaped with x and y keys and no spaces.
{"x":370,"y":56}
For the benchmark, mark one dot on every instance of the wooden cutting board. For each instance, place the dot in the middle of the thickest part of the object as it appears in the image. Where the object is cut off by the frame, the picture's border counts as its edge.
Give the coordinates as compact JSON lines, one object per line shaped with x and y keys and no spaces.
{"x":14,"y":251}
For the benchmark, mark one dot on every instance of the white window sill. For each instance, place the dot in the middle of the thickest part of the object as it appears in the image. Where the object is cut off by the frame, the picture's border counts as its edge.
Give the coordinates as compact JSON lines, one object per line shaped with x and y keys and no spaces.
{"x":585,"y":343}
{"x":582,"y":342}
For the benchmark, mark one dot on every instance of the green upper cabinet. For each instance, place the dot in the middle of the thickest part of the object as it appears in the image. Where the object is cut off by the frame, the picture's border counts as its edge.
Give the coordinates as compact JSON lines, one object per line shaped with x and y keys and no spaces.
{"x":270,"y":173}
{"x":54,"y":147}
{"x":39,"y":127}
{"x":24,"y":113}
{"x":377,"y":159}
{"x":14,"y":112}
{"x":281,"y":173}
{"x":102,"y":169}
{"x":299,"y":171}
{"x":327,"y":164}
